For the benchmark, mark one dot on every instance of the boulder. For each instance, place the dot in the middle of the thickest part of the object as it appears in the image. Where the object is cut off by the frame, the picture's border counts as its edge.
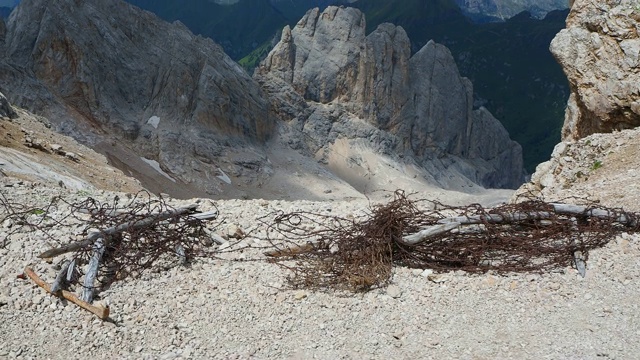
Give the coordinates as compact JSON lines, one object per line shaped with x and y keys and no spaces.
{"x":599,"y":52}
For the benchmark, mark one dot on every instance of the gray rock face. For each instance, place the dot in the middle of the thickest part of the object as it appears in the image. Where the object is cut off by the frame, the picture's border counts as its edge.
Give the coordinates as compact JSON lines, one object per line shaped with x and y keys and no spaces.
{"x":317,"y":54}
{"x":5,"y":108}
{"x":173,"y":96}
{"x":331,"y":81}
{"x":600,"y":54}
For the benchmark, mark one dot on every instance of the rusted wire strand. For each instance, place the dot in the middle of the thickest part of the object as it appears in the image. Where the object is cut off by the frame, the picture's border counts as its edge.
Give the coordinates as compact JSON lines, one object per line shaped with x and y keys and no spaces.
{"x":128,"y":252}
{"x":360,"y":255}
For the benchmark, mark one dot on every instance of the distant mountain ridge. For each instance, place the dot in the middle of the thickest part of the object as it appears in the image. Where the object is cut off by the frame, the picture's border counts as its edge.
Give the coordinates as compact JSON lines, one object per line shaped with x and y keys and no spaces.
{"x":500,"y":10}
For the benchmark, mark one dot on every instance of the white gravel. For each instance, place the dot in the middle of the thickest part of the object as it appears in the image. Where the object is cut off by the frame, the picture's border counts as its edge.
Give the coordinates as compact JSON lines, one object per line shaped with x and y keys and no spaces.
{"x":237,"y":310}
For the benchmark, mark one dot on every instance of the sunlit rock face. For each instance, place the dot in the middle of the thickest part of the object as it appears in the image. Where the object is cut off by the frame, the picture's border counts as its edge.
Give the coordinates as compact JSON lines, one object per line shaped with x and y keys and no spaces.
{"x":418,"y":106}
{"x":106,"y":67}
{"x":600,"y":53}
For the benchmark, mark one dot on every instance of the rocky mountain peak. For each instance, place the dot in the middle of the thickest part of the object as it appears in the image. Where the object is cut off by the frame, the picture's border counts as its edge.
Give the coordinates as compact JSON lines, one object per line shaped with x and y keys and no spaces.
{"x":111,"y":68}
{"x":150,"y":66}
{"x":599,"y":52}
{"x":324,"y":44}
{"x":420,"y":103}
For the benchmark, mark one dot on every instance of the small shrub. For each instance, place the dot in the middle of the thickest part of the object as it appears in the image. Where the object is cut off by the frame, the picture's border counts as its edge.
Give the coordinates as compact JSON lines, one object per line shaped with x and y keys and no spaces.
{"x":83,"y":193}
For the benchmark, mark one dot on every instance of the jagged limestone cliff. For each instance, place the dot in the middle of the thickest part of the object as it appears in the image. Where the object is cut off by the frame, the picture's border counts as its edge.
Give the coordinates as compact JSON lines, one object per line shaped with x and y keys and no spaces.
{"x":173,"y":97}
{"x":142,"y":91}
{"x":417,"y":106}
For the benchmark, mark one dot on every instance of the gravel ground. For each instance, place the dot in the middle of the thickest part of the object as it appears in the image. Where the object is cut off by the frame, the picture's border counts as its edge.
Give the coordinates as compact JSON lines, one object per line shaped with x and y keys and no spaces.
{"x":237,"y":309}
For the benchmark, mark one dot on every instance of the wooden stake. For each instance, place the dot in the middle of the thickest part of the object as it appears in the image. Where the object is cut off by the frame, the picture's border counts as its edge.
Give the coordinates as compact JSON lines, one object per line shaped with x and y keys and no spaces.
{"x":92,"y":271}
{"x":61,"y":279}
{"x":101,"y":311}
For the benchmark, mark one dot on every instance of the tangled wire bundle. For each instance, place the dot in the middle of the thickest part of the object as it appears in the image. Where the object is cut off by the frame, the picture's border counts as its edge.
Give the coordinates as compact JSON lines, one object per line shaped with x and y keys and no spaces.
{"x":359,"y":255}
{"x":145,"y":231}
{"x":146,"y":239}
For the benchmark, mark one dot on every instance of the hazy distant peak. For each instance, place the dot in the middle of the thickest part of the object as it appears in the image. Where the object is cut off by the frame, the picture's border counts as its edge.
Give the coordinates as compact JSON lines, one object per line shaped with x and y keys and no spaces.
{"x":225,"y":2}
{"x":504,"y":9}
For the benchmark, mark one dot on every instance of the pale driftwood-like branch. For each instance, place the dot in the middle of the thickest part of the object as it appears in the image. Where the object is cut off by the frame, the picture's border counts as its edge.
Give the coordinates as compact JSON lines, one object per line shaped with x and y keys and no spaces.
{"x":497,"y":218}
{"x":215,"y":237}
{"x":578,"y":256}
{"x":182,"y":255}
{"x":581,"y":266}
{"x":61,"y":279}
{"x":449,"y":224}
{"x":72,"y":267}
{"x":428,"y":232}
{"x":205,"y":215}
{"x":92,"y":270}
{"x":101,"y":311}
{"x":618,"y":216}
{"x":116,"y":229}
{"x":218,"y":239}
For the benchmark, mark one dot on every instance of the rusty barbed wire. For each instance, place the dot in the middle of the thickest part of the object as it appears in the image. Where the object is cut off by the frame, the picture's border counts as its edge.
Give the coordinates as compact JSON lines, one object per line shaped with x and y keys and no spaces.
{"x":143,"y":240}
{"x":359,"y":254}
{"x":322,"y":251}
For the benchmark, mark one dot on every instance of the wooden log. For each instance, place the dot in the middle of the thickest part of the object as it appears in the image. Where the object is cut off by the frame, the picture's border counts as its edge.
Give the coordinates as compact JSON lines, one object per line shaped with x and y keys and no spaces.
{"x":106,"y":233}
{"x":61,"y":279}
{"x":101,"y":311}
{"x":428,"y":232}
{"x":497,"y":218}
{"x":92,"y":271}
{"x":448,"y":224}
{"x":577,"y":210}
